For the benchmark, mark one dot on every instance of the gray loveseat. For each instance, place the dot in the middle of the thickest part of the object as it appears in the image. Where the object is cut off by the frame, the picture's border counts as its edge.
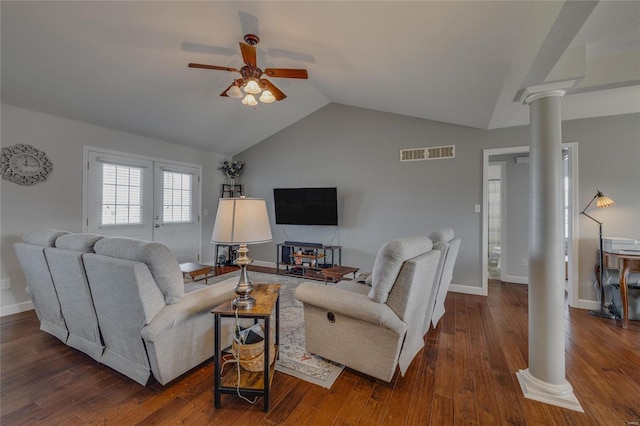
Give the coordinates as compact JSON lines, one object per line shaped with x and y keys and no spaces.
{"x":121,"y":301}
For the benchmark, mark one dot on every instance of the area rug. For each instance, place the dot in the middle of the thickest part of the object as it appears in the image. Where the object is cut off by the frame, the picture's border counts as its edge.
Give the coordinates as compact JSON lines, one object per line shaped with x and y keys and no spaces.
{"x":294,"y":359}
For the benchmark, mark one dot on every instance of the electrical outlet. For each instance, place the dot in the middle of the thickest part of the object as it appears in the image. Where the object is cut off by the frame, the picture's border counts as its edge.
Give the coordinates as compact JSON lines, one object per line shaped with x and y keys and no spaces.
{"x":6,"y":283}
{"x":525,"y":262}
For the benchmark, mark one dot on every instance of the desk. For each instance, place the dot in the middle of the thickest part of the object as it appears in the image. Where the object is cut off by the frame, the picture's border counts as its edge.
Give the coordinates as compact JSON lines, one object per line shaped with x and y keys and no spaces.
{"x":251,"y":383}
{"x":625,"y":263}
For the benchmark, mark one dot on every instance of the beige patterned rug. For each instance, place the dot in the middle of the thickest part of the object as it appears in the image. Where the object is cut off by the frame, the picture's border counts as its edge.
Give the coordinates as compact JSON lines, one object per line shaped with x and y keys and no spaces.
{"x":294,"y":359}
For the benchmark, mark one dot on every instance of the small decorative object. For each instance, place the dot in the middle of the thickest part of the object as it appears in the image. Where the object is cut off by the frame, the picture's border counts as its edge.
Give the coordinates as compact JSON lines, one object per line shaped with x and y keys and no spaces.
{"x":232,"y":169}
{"x":24,"y":164}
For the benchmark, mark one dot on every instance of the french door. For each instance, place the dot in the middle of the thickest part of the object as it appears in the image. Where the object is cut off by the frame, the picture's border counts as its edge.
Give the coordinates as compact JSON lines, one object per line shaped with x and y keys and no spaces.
{"x":143,"y":198}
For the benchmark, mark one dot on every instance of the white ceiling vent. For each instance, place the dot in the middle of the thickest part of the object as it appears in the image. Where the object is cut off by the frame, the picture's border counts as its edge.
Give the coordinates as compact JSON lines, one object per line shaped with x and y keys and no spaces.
{"x":433,"y":153}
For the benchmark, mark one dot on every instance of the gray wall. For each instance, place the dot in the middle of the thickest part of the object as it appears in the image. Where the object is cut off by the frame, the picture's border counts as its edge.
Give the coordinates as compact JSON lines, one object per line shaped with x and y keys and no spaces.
{"x":517,"y":221}
{"x":57,"y":202}
{"x":517,"y":218}
{"x":354,"y":149}
{"x":357,"y":150}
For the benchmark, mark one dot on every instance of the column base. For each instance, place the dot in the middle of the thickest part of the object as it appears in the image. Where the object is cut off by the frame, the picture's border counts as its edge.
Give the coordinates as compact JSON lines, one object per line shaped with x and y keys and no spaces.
{"x":558,"y":395}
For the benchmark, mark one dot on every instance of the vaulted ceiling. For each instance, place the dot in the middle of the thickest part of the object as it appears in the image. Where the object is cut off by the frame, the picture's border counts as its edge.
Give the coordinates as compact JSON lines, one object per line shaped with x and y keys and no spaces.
{"x":123,"y":65}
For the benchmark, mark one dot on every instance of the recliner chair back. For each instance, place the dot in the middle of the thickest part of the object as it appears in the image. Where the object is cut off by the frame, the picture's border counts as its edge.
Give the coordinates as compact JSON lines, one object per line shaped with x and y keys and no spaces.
{"x":70,"y":281}
{"x":451,"y":246}
{"x":40,"y":285}
{"x":126,"y":298}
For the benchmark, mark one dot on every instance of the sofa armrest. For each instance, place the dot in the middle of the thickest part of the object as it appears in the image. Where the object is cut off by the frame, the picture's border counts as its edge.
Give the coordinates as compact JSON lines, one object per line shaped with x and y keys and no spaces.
{"x":195,"y":303}
{"x":350,"y":304}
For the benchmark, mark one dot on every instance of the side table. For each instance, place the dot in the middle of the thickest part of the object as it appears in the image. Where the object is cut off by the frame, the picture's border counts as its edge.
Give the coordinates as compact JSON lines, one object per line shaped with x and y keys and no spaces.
{"x":195,"y":269}
{"x":251,"y":383}
{"x":336,"y":273}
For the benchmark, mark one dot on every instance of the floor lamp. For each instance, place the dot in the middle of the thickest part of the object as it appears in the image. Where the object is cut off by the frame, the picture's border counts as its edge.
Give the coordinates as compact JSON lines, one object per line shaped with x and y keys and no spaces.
{"x":601,"y":201}
{"x":242,"y":221}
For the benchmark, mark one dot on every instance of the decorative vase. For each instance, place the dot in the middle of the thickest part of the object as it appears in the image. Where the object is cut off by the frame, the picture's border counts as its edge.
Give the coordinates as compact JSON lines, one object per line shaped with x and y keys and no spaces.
{"x":232,"y":182}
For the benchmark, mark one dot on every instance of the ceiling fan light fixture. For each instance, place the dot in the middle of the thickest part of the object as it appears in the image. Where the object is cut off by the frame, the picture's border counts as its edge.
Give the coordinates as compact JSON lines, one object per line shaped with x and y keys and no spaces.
{"x":267,"y":97}
{"x":249,"y":100}
{"x":250,"y":81}
{"x":252,"y":87}
{"x":235,"y":92}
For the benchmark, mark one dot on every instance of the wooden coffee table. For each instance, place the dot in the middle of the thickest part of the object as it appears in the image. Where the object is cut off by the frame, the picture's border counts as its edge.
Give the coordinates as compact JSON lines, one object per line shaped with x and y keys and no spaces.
{"x":196,"y":269}
{"x":336,"y":273}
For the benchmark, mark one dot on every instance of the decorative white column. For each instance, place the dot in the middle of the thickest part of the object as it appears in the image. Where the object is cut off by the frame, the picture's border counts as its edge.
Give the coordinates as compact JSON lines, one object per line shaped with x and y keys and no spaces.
{"x":544,"y":380}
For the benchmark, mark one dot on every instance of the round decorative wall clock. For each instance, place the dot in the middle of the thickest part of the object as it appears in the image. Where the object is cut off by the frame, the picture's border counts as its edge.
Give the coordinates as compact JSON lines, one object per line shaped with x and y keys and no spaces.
{"x":24,"y":164}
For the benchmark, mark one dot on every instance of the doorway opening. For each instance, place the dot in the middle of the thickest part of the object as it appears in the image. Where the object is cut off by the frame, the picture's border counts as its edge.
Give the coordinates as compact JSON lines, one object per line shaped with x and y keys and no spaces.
{"x":495,"y":192}
{"x":505,"y":216}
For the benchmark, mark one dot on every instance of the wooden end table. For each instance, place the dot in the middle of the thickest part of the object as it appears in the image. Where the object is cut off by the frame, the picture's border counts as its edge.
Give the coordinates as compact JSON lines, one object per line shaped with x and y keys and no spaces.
{"x":196,"y":269}
{"x":338,"y":272}
{"x":251,"y":383}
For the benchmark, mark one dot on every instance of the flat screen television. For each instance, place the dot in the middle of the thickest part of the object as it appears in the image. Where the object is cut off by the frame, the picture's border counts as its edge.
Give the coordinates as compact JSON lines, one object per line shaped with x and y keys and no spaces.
{"x":306,"y":206}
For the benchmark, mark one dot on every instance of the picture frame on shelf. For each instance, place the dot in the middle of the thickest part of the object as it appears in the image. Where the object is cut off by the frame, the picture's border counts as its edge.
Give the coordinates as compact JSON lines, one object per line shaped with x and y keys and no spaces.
{"x":231,"y":190}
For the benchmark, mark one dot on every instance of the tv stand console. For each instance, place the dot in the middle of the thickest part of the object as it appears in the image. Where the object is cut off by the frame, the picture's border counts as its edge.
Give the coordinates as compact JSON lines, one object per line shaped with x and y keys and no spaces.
{"x":306,"y":260}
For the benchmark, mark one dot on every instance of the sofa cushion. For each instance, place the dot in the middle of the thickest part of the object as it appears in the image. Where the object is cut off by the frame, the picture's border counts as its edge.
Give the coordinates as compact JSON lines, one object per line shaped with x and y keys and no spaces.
{"x":78,"y":242}
{"x":442,"y":235}
{"x":389,"y":261}
{"x":163,"y":265}
{"x":43,"y":237}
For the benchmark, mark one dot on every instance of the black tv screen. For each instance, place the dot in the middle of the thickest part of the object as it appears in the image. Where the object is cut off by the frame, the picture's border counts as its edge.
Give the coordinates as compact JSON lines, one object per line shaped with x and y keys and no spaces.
{"x":306,"y":206}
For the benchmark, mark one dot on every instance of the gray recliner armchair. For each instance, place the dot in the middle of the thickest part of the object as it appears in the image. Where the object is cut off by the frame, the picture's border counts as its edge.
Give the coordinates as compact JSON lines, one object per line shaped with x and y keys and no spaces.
{"x":374,"y":329}
{"x":444,"y":241}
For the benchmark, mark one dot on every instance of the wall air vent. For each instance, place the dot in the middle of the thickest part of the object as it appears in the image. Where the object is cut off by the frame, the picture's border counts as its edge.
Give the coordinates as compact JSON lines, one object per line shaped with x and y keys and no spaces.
{"x":414,"y":154}
{"x":432,"y":153}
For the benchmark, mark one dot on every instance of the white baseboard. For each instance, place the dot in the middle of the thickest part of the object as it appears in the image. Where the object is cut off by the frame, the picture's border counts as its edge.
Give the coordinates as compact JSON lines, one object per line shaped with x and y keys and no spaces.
{"x":16,"y":309}
{"x":587,"y":304}
{"x":516,"y":280}
{"x":465,"y":289}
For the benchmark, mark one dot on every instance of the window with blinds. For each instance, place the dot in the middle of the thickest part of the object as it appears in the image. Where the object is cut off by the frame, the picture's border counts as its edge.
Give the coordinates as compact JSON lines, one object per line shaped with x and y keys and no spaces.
{"x":177,"y":199}
{"x":121,"y":195}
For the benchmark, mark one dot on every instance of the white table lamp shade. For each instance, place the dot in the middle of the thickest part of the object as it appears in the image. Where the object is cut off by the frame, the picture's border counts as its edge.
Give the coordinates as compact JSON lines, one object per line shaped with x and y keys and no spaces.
{"x":241,"y":221}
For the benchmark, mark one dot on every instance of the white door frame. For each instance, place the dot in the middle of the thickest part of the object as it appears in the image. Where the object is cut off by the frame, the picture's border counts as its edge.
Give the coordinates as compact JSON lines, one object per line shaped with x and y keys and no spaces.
{"x":572,"y":252}
{"x":503,"y":215}
{"x":85,"y":183}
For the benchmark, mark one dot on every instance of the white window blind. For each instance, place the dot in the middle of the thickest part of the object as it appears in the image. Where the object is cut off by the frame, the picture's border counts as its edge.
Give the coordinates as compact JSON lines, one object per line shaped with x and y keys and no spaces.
{"x":177,"y":200}
{"x":121,"y":194}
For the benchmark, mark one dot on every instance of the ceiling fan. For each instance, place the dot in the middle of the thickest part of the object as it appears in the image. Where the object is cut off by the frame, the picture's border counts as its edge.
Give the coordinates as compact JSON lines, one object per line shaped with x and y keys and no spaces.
{"x":251,"y":81}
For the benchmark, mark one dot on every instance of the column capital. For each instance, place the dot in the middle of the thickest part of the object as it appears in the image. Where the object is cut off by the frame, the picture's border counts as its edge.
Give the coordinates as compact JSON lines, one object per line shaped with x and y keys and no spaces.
{"x":546,"y":94}
{"x":545,"y":90}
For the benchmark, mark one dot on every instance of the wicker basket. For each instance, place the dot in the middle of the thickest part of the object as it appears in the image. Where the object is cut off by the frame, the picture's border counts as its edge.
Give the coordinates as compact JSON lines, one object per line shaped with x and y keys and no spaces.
{"x":251,"y":356}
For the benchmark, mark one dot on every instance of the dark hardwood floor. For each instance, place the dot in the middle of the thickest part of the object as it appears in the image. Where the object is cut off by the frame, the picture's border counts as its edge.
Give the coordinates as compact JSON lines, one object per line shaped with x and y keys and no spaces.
{"x":465,"y":375}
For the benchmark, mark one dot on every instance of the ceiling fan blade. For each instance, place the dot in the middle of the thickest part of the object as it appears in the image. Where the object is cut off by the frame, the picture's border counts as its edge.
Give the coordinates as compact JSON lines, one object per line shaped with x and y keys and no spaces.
{"x":212,"y":67}
{"x":286,"y":73}
{"x":273,"y":89}
{"x":226,"y":90}
{"x":248,"y":53}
